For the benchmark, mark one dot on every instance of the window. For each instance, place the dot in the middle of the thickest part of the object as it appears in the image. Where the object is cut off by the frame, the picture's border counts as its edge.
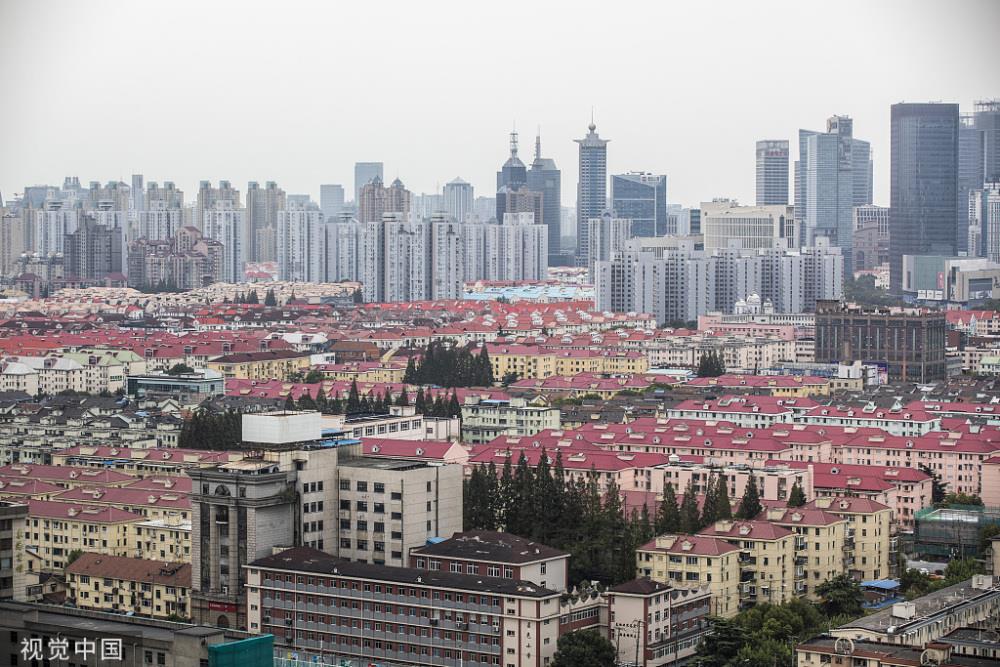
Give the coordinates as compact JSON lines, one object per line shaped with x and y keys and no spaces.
{"x":379,"y":487}
{"x":362,"y":486}
{"x":345,"y":485}
{"x":362,"y":506}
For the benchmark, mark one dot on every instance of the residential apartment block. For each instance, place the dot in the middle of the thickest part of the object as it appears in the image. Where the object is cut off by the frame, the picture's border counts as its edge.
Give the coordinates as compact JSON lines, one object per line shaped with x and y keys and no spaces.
{"x":129,"y":585}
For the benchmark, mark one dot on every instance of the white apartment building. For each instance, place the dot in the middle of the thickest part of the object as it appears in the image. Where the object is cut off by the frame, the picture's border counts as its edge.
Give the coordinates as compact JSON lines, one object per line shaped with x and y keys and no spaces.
{"x":301,"y":245}
{"x":726,"y":224}
{"x":226,"y":224}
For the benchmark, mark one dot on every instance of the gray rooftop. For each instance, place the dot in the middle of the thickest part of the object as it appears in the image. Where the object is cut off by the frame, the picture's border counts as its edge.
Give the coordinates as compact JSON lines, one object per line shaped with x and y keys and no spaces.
{"x":927,"y":606}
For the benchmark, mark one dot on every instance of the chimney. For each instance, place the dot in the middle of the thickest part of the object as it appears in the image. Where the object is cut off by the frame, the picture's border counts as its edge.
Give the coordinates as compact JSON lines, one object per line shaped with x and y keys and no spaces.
{"x":723,"y":526}
{"x":665,"y":541}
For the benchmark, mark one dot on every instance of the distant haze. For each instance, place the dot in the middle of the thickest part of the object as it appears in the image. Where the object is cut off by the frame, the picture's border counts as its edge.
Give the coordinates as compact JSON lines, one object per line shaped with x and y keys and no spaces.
{"x":297,"y":92}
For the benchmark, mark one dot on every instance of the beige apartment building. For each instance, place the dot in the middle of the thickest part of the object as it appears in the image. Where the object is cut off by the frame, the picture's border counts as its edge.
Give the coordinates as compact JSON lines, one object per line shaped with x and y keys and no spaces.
{"x":819,"y":545}
{"x":695,"y":561}
{"x":869,"y":544}
{"x":120,"y":585}
{"x":54,"y":530}
{"x":766,"y":558}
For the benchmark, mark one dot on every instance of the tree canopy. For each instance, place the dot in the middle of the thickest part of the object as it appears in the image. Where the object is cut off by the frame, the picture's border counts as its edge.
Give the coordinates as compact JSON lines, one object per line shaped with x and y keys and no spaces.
{"x":711,"y":364}
{"x":584,"y":648}
{"x":450,"y":366}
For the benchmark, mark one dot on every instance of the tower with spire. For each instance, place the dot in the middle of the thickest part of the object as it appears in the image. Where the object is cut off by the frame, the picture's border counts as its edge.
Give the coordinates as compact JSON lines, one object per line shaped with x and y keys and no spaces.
{"x":545,"y":177}
{"x":592,"y":187}
{"x":513,"y":173}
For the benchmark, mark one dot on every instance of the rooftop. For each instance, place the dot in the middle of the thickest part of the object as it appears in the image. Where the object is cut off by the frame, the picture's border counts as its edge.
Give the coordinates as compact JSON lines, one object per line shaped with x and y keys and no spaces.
{"x":493,"y":546}
{"x":132,"y":569}
{"x":307,"y":559}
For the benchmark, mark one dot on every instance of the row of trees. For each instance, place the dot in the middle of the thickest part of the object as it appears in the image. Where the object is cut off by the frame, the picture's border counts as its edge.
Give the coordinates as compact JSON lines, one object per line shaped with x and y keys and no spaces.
{"x":437,"y":405}
{"x":765,"y":635}
{"x":212,"y":430}
{"x":674,"y":517}
{"x":541,"y":504}
{"x":450,"y":366}
{"x":711,"y":364}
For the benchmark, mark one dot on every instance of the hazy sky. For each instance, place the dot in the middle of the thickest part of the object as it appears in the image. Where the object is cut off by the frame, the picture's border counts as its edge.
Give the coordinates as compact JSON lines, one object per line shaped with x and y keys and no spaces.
{"x":297,"y":92}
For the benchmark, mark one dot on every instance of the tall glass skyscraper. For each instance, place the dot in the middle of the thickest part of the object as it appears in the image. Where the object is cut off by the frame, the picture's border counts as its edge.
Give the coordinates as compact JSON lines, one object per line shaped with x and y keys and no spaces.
{"x":970,"y":176}
{"x":364,"y":172}
{"x":546,"y":178}
{"x":832,"y":175}
{"x":592,"y":187}
{"x":772,"y":172}
{"x":923,"y":183}
{"x":642,"y":198}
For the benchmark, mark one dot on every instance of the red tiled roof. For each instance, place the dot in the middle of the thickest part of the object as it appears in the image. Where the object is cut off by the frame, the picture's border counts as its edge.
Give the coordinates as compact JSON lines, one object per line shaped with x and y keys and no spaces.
{"x":50,"y":509}
{"x":132,"y":569}
{"x":695,"y":545}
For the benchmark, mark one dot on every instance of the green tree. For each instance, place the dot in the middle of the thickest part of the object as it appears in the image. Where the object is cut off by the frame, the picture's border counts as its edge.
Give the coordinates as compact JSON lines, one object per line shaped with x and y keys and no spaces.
{"x":986,"y":535}
{"x":841,"y":596}
{"x":72,"y":556}
{"x":711,"y":365}
{"x":180,"y":369}
{"x":289,"y":402}
{"x":797,"y":497}
{"x":668,"y":516}
{"x":961,"y":499}
{"x":270,"y":299}
{"x":914,"y":583}
{"x":939,"y":489}
{"x":584,"y":648}
{"x":690,"y":520}
{"x":353,"y":399}
{"x":720,"y":646}
{"x":709,"y":512}
{"x":723,"y":506}
{"x":959,"y":570}
{"x":403,"y":399}
{"x":314,"y":376}
{"x":420,"y":403}
{"x":750,"y":504}
{"x":454,"y":407}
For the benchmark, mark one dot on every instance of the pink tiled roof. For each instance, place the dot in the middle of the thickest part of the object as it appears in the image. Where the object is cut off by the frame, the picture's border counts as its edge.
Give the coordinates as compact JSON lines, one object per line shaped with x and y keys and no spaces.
{"x":754,"y":529}
{"x":125,"y":496}
{"x":50,"y":509}
{"x":64,"y":473}
{"x":698,"y":545}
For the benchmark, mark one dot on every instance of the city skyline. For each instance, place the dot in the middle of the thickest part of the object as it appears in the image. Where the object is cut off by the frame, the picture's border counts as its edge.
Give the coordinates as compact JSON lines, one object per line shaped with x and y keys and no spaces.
{"x":706,"y":151}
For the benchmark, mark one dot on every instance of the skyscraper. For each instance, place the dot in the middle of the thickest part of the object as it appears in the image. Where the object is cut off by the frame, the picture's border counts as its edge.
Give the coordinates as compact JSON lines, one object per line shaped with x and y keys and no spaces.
{"x":923,"y":183}
{"x":138,"y":193}
{"x":208,"y":196}
{"x":987,"y":121}
{"x":772,"y":172}
{"x":458,"y":198}
{"x":832,"y":175}
{"x":331,"y":200}
{"x":592,"y":187}
{"x":364,"y":172}
{"x":301,"y":244}
{"x":513,"y":194}
{"x":546,"y":178}
{"x":377,"y":200}
{"x":263,"y":205}
{"x":226,"y":224}
{"x":93,"y":250}
{"x":642,"y":198}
